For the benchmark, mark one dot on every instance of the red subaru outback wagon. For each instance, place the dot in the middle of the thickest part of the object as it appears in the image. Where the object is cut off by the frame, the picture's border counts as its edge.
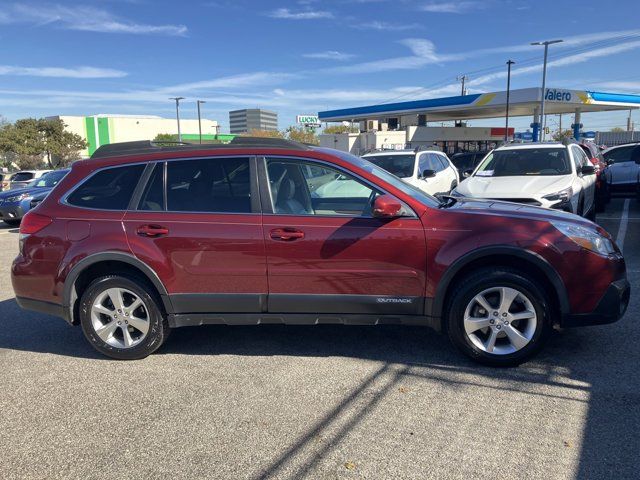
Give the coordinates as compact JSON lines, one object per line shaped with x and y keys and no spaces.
{"x":143,"y":238}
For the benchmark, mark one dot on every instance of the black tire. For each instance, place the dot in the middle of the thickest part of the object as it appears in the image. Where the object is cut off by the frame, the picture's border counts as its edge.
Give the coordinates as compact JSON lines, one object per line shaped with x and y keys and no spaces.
{"x":158,"y":326}
{"x":454,"y":184}
{"x":12,"y":223}
{"x":484,"y":279}
{"x":591,"y":215}
{"x":580,"y":209}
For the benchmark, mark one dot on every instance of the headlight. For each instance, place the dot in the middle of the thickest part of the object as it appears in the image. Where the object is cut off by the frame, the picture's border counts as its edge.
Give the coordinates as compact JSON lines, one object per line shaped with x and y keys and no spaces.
{"x":586,"y":238}
{"x":17,"y":198}
{"x":562,"y":195}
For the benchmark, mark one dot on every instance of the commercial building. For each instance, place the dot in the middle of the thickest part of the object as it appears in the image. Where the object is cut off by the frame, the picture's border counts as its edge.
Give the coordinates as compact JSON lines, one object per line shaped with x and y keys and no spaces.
{"x":103,"y":129}
{"x":243,"y":121}
{"x":394,"y":123}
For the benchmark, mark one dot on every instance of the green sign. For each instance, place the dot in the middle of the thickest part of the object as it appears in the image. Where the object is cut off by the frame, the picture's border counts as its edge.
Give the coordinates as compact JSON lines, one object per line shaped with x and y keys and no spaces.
{"x":308,"y":119}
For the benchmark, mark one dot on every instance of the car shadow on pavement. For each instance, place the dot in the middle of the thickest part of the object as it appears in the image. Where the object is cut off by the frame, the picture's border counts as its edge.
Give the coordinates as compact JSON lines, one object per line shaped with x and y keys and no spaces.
{"x":577,"y":366}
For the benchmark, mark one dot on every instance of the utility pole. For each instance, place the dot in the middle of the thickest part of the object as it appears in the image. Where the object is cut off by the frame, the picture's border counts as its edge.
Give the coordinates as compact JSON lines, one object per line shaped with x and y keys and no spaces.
{"x":506,"y":127}
{"x":198,"y":102}
{"x":544,"y":79}
{"x":463,"y":79}
{"x":177,"y":99}
{"x":629,"y":122}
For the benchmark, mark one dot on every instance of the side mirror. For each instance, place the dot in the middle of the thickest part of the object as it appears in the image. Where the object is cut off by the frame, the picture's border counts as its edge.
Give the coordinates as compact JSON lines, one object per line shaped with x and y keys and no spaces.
{"x":428,"y":173}
{"x":388,"y":206}
{"x":588,"y":170}
{"x":610,"y":161}
{"x":467,"y":173}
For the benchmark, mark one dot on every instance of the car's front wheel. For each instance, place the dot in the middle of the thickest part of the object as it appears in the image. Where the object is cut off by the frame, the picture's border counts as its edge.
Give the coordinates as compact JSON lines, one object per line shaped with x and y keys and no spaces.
{"x":121,"y":317}
{"x":12,"y":223}
{"x":498,"y":317}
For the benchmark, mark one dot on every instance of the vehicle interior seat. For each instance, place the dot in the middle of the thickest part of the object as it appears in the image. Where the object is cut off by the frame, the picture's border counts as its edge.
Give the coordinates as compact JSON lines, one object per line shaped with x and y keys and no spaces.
{"x":286,"y":201}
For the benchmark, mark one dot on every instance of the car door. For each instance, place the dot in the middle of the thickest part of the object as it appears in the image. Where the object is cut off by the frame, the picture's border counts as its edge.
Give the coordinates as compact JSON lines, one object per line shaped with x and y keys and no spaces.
{"x":624,"y":170}
{"x":197,"y":224}
{"x":449,"y":175}
{"x":326,"y":254}
{"x":587,"y":182}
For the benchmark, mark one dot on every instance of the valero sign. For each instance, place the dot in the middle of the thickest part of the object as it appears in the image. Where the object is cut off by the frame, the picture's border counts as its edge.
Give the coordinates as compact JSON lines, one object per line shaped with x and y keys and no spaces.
{"x":557,"y":95}
{"x":308,"y":120}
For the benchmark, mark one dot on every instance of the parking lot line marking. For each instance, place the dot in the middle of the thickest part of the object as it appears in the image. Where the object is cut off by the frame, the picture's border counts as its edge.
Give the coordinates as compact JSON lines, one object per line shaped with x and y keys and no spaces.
{"x":622,"y":230}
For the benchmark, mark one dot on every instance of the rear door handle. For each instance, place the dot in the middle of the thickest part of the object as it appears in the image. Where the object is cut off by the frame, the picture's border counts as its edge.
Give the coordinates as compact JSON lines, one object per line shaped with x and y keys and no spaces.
{"x":152,"y":231}
{"x":286,"y":234}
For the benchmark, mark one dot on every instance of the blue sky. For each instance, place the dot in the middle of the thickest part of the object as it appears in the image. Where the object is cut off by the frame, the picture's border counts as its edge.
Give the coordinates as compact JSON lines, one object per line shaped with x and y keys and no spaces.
{"x":129,"y":56}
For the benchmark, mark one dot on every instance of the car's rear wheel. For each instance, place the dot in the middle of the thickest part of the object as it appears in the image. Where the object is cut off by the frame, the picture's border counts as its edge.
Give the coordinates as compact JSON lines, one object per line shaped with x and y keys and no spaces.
{"x":498,"y":317}
{"x":12,"y":223}
{"x":121,"y":317}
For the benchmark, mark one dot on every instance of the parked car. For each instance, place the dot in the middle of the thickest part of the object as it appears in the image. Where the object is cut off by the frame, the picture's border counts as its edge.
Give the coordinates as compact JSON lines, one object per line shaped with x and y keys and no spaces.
{"x":143,"y":238}
{"x":594,"y":153}
{"x":430,"y":171}
{"x":22,"y":178}
{"x":622,"y":174}
{"x":4,"y":181}
{"x":466,"y":162}
{"x":15,"y":203}
{"x":551,"y":175}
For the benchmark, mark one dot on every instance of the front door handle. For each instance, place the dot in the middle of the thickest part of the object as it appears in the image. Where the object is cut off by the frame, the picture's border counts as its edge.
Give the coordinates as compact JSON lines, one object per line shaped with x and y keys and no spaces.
{"x":286,"y":234}
{"x":152,"y":231}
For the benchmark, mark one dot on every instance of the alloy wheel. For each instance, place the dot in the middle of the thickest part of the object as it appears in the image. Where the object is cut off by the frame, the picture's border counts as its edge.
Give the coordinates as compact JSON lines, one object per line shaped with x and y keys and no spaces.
{"x":120,"y":318}
{"x":500,"y":320}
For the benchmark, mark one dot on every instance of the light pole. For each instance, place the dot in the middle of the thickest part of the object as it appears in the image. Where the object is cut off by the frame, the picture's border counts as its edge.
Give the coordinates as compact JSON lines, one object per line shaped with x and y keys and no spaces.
{"x":544,"y":80}
{"x":177,"y":99}
{"x":198,"y":102}
{"x":506,"y":128}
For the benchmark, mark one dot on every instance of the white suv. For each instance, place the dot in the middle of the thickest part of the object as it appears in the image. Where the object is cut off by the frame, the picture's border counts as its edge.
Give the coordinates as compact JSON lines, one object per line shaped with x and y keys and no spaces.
{"x":429,"y":170}
{"x":551,"y":175}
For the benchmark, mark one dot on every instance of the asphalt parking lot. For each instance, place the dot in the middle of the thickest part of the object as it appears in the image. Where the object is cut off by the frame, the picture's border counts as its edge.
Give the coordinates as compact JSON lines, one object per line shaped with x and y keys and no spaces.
{"x":319,"y":402}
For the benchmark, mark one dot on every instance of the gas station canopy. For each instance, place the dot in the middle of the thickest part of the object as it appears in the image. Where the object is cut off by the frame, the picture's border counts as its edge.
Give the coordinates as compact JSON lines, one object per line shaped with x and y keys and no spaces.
{"x":522,"y":102}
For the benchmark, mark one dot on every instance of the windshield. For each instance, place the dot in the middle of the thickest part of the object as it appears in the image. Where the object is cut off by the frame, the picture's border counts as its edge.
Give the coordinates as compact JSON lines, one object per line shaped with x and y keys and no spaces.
{"x":399,"y":165}
{"x":405,"y":188}
{"x":49,"y":180}
{"x":525,"y":162}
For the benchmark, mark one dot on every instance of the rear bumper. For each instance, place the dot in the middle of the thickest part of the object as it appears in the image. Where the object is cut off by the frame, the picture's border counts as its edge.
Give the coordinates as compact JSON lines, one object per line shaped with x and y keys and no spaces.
{"x":611,"y":307}
{"x":42,"y":307}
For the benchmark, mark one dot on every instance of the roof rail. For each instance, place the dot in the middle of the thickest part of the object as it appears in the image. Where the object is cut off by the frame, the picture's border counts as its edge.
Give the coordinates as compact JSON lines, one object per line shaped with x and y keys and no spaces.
{"x":140,"y":147}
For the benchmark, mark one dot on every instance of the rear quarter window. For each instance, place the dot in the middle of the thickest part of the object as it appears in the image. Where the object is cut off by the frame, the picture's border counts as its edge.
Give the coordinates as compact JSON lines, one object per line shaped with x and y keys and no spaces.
{"x":22,"y":177}
{"x":108,"y":189}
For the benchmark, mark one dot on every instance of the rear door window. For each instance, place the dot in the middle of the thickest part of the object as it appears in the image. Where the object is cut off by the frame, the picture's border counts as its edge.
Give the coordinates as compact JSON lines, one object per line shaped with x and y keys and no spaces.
{"x":620,"y":155}
{"x":217,"y":185}
{"x":108,"y":189}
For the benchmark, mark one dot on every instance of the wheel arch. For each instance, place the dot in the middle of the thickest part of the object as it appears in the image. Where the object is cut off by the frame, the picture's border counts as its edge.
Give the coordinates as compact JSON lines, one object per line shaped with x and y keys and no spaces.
{"x":105,"y":263}
{"x":508,"y":256}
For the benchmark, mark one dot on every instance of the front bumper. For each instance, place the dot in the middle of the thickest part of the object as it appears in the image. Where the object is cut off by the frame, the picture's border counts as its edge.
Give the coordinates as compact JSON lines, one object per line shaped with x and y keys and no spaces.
{"x":13,"y":211}
{"x":611,"y":307}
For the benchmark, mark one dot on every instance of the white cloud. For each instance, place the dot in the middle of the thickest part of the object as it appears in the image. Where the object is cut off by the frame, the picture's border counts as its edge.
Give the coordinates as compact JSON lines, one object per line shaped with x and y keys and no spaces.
{"x":287,"y":14}
{"x":83,"y":18}
{"x":386,"y":26}
{"x":449,"y":7}
{"x":330,"y":55}
{"x":62,"y":72}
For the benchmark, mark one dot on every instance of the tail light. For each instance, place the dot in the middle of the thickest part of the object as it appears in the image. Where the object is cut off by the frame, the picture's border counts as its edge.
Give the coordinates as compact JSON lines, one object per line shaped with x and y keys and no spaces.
{"x":33,"y":222}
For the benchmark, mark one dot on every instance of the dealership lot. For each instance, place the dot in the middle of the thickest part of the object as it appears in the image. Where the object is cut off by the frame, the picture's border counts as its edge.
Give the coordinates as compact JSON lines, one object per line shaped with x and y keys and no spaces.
{"x":321,"y":402}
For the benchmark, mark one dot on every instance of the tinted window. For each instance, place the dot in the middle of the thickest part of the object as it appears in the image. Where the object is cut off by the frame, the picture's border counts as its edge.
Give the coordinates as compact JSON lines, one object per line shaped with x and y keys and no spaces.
{"x":109,"y":189}
{"x":302,"y":188}
{"x":399,"y":165}
{"x":153,"y":196}
{"x":619,"y":155}
{"x":440,"y":162}
{"x":209,"y":185}
{"x":22,"y":177}
{"x":51,"y":179}
{"x":525,"y":161}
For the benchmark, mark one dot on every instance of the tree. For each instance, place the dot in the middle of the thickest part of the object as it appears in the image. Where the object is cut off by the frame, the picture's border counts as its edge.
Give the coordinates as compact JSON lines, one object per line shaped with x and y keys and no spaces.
{"x":335,"y":129}
{"x":563,"y":135}
{"x":302,"y":135}
{"x":617,"y":129}
{"x":166,"y":138}
{"x":32,"y":141}
{"x":264,"y":133}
